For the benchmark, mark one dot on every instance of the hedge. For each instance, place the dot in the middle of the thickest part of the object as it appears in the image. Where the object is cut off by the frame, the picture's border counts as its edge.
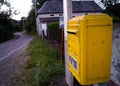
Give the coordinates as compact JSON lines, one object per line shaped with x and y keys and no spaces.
{"x":54,"y":32}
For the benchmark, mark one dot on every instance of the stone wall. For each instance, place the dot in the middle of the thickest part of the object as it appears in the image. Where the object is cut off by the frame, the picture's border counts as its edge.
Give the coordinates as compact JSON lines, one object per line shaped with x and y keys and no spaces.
{"x":115,"y":69}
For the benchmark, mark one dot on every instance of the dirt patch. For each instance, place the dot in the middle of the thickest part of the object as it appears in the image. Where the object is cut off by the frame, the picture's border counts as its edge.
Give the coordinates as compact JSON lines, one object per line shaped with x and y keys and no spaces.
{"x":12,"y":71}
{"x":58,"y":81}
{"x":19,"y":76}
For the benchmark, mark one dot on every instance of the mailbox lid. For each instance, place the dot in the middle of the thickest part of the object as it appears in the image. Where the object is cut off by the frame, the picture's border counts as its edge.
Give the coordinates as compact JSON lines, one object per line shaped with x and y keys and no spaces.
{"x":75,"y":22}
{"x":91,"y":19}
{"x":98,"y":20}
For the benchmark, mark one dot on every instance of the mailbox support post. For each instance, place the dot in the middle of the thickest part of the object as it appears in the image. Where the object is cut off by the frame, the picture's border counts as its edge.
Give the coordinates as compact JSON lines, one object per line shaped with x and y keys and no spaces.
{"x":67,"y":8}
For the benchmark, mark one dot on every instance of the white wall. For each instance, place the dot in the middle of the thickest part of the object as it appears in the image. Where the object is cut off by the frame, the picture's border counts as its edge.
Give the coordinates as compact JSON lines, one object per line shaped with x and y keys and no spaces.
{"x":80,"y":14}
{"x":38,"y":26}
{"x":61,"y":15}
{"x":50,"y":15}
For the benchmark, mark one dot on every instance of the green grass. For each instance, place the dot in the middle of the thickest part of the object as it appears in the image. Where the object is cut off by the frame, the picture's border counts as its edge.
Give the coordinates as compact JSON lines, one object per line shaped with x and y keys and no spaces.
{"x":44,"y":63}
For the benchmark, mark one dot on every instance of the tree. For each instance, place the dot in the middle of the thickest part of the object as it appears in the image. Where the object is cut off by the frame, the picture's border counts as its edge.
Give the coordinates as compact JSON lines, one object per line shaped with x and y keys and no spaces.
{"x":38,"y":3}
{"x":4,"y":2}
{"x":6,"y":26}
{"x":30,"y":23}
{"x":107,"y":3}
{"x":112,"y":7}
{"x":23,"y":19}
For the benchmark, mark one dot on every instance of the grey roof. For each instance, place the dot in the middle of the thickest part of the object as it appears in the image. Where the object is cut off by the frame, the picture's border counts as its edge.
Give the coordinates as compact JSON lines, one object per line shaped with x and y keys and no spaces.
{"x":78,"y":7}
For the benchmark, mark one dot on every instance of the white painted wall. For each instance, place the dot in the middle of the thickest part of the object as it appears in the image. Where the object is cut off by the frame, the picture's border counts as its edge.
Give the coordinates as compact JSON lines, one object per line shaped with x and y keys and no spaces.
{"x":58,"y":15}
{"x":38,"y":26}
{"x":50,"y":15}
{"x":80,"y":14}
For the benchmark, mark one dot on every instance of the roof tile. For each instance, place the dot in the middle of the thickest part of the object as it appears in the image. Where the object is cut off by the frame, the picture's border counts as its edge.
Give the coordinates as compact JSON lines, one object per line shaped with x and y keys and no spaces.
{"x":78,"y":7}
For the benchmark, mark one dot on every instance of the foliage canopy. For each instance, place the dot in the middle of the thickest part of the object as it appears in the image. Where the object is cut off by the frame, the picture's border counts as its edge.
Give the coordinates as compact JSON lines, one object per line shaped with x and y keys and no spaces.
{"x":30,"y":24}
{"x":6,"y":24}
{"x":112,"y":7}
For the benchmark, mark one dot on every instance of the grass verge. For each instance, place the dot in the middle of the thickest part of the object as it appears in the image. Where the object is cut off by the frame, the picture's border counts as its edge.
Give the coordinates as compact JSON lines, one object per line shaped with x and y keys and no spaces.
{"x":44,"y":63}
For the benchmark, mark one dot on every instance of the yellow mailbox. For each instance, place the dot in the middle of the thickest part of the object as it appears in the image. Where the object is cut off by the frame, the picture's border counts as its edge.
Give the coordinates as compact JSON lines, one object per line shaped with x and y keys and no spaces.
{"x":90,"y":48}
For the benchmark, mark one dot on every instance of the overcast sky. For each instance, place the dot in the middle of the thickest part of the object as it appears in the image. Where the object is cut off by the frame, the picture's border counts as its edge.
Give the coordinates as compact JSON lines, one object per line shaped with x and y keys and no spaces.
{"x":24,"y":7}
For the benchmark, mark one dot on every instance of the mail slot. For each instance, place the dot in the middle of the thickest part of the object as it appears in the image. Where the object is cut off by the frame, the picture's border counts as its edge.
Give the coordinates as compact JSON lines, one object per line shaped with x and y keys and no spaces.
{"x":90,"y":48}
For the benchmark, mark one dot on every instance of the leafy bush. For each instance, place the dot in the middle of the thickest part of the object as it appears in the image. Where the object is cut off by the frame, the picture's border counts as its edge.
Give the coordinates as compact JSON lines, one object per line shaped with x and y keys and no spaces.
{"x":54,"y":31}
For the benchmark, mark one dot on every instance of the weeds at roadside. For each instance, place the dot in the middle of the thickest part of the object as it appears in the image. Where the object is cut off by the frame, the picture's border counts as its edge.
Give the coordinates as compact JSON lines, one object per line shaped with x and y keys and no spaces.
{"x":44,"y":63}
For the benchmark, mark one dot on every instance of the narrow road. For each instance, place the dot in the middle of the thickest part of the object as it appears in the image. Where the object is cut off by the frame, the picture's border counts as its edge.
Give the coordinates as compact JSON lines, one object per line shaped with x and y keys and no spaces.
{"x":11,"y":57}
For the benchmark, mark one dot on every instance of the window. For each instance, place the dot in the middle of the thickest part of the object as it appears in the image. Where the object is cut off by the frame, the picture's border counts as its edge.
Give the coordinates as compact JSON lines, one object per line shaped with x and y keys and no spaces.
{"x":60,"y":14}
{"x":51,"y":14}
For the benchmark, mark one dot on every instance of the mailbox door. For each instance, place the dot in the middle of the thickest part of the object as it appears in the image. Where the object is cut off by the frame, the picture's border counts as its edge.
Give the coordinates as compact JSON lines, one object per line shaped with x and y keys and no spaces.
{"x":96,"y":49}
{"x":98,"y":53}
{"x":74,"y":50}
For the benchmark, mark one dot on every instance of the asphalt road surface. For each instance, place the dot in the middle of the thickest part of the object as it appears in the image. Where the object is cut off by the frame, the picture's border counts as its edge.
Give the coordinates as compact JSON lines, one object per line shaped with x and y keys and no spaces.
{"x":11,"y":58}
